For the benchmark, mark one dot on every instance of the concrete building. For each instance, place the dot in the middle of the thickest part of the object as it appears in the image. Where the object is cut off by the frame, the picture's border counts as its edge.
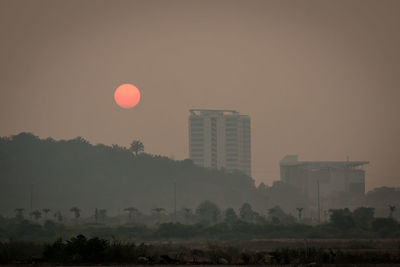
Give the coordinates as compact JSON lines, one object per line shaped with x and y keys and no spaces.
{"x":333,"y":177}
{"x":220,"y":139}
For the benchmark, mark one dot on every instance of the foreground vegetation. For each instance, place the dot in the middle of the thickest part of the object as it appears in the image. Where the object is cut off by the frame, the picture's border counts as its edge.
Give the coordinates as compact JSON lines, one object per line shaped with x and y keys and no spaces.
{"x":343,"y":224}
{"x":81,"y":250}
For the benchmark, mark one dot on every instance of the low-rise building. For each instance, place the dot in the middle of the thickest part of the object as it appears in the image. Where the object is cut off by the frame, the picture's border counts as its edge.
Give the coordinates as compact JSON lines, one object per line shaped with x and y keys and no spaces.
{"x":329,"y":179}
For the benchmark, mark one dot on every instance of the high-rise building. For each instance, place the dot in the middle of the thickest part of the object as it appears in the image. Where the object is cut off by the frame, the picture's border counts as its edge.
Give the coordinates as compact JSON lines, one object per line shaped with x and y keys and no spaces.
{"x":220,"y":139}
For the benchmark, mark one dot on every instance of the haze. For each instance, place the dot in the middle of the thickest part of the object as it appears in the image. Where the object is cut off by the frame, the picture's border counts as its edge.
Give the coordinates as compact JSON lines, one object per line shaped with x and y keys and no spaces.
{"x":319,"y":79}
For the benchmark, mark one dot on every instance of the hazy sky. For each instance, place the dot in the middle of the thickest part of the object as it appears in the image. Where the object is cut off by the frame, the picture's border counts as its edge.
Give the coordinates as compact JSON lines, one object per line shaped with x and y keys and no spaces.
{"x":320,"y":79}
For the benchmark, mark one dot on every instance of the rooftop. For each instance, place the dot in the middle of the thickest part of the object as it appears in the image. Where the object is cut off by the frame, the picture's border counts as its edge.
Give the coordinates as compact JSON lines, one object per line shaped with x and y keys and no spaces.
{"x":213,"y":111}
{"x":292,"y":160}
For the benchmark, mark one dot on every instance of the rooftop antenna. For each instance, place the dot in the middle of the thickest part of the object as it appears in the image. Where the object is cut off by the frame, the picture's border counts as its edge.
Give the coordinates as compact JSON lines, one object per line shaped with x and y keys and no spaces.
{"x":319,"y":208}
{"x":174,"y":202}
{"x":31,"y":198}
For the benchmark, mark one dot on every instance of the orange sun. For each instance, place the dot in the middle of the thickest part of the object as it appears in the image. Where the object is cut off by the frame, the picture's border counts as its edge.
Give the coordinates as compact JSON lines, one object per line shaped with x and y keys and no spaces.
{"x":127,"y":95}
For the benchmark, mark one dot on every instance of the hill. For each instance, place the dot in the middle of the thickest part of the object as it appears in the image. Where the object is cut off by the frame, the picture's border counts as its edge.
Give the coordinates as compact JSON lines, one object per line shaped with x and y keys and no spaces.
{"x":67,"y":173}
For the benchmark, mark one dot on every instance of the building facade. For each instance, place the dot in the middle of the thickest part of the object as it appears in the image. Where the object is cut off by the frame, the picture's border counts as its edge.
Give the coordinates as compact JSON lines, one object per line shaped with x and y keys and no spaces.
{"x":220,"y":139}
{"x":327,"y":178}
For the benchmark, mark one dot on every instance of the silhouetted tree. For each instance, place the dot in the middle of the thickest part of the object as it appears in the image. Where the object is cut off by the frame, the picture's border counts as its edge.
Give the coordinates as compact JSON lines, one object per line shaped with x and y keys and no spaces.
{"x":45,"y":211}
{"x":136,"y":147}
{"x":277,"y":215}
{"x":58,"y":216}
{"x":208,"y":212}
{"x":36,"y":214}
{"x":131,"y":211}
{"x":386,"y":227}
{"x":342,"y":218}
{"x":363,"y":217}
{"x":286,"y":196}
{"x":262,"y":187}
{"x":246,"y":213}
{"x":230,"y":216}
{"x":187,"y":212}
{"x":19,"y":213}
{"x":158,"y":210}
{"x":392,"y":209}
{"x":299,"y":211}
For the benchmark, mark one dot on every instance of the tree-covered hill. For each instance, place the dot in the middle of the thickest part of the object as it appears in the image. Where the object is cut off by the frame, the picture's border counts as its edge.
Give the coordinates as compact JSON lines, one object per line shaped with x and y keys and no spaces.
{"x":74,"y":173}
{"x":67,"y":173}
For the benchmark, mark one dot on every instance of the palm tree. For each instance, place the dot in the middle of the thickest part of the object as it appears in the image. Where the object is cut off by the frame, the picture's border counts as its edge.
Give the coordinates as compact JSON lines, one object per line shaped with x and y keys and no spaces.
{"x":19,"y":213}
{"x":36,"y":214}
{"x":45,"y":211}
{"x":158,"y":210}
{"x":58,"y":216}
{"x":136,"y":147}
{"x":76,"y":211}
{"x":130,"y":211}
{"x":300,"y":210}
{"x":392,"y":209}
{"x":187,"y":212}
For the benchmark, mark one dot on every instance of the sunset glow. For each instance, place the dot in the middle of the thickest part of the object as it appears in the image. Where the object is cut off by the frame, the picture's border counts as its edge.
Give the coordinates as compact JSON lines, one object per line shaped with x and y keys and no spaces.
{"x":127,"y":96}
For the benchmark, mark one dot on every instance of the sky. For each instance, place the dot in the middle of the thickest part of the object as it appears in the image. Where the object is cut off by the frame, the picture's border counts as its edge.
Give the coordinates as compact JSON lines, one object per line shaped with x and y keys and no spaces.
{"x":320,"y":79}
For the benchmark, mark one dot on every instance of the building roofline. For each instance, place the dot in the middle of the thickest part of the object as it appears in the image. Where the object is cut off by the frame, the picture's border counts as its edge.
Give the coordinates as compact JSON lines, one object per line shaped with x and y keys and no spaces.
{"x":216,"y":111}
{"x":292,"y":160}
{"x":325,"y":163}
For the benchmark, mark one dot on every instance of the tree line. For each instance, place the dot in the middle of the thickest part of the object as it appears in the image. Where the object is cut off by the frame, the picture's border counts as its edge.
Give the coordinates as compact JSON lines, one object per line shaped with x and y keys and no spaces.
{"x":206,"y":221}
{"x":73,"y":178}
